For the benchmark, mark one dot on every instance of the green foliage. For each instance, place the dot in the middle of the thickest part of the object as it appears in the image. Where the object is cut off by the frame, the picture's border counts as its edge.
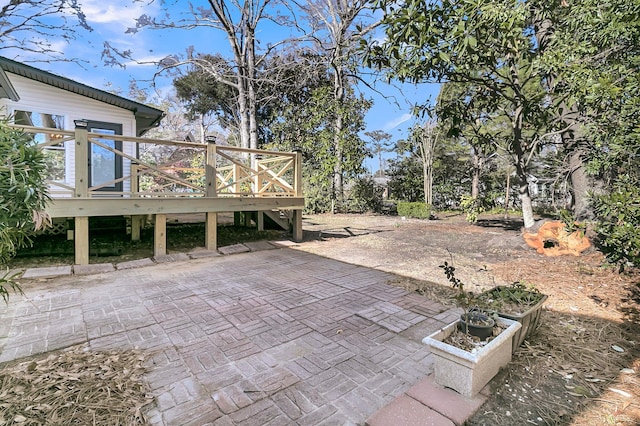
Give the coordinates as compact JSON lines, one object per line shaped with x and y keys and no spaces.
{"x":416,"y":210}
{"x":569,"y":220}
{"x":309,"y":126}
{"x":8,"y":282}
{"x":618,"y":215}
{"x":519,"y":296}
{"x":23,"y":195}
{"x":467,"y":300}
{"x":406,"y":179}
{"x":364,"y":196}
{"x":203,"y":93}
{"x":472,"y":207}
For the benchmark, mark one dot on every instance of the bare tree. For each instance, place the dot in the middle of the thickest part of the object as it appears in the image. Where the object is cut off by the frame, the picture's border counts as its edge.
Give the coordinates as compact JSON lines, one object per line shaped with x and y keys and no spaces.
{"x":425,"y":137}
{"x":239,"y":20}
{"x":30,"y":25}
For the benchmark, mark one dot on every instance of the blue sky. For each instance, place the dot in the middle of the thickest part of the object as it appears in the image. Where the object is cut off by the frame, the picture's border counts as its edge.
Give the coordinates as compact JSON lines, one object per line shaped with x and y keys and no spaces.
{"x":110,"y":20}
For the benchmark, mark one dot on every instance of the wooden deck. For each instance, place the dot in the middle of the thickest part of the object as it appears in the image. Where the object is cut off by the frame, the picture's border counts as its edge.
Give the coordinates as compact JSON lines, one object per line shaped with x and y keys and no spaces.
{"x":207,"y":178}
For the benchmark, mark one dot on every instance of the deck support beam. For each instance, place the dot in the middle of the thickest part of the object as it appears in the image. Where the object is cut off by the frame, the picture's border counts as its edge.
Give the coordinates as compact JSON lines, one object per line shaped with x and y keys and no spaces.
{"x":160,"y":235}
{"x":260,"y":220}
{"x":136,"y":226}
{"x":297,"y":225}
{"x":211,"y":232}
{"x":81,"y":237}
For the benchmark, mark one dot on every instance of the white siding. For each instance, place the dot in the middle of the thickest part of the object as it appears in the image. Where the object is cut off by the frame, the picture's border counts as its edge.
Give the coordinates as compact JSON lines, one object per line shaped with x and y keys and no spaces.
{"x":40,"y":97}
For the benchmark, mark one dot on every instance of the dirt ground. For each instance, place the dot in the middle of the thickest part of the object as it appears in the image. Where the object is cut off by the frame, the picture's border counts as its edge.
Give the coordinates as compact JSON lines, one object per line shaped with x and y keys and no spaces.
{"x":582,"y":367}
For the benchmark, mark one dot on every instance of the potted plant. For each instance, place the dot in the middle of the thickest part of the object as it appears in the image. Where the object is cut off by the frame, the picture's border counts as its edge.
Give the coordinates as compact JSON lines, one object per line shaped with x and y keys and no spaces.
{"x":518,"y":302}
{"x":465,"y":370}
{"x":474,"y":320}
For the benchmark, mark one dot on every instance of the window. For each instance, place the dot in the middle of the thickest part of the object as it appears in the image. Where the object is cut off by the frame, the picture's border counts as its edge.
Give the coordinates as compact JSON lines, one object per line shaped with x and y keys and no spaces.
{"x":54,"y":154}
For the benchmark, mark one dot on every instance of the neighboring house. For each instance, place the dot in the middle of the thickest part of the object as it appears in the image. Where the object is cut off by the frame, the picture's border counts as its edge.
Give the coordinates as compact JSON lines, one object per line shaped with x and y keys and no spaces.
{"x":34,"y":97}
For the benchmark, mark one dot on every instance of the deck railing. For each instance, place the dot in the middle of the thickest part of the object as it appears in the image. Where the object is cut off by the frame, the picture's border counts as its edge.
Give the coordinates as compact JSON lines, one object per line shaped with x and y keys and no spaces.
{"x":205,"y":170}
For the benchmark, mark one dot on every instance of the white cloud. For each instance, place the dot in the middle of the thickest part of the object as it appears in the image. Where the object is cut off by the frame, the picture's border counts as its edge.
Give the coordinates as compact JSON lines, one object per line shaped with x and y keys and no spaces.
{"x":121,"y":12}
{"x":390,"y":125}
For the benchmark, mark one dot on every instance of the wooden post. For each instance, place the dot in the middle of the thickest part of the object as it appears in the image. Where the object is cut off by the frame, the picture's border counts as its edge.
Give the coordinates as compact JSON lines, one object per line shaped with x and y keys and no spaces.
{"x":136,"y":226}
{"x":211,"y":181}
{"x":81,"y":236}
{"x":160,"y":235}
{"x":211,"y":231}
{"x":297,"y":225}
{"x":297,"y":214}
{"x":297,"y":184}
{"x":134,"y":180}
{"x":236,"y":175}
{"x":82,"y":160}
{"x":260,"y":220}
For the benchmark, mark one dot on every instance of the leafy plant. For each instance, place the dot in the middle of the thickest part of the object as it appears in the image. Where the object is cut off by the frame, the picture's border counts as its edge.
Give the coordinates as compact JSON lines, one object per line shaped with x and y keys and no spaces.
{"x":7,"y":282}
{"x":23,"y":196}
{"x":570,"y":223}
{"x":618,"y":216}
{"x":472,"y":207}
{"x":417,"y":210}
{"x":516,"y":297}
{"x":467,"y":300}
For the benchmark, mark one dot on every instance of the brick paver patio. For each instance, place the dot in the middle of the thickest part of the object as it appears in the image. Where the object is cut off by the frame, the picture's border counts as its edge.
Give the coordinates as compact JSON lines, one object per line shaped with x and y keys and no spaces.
{"x":270,"y":337}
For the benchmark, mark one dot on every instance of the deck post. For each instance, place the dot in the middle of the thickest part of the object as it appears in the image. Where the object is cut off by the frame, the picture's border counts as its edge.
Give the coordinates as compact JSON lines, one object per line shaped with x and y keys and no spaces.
{"x":134,"y":180}
{"x":297,"y":179}
{"x":160,"y":235}
{"x":82,"y":159}
{"x":136,"y":226}
{"x":297,"y":213}
{"x":297,"y":225}
{"x":81,"y":236}
{"x":136,"y":220}
{"x":211,"y":189}
{"x":211,"y":232}
{"x":260,"y":220}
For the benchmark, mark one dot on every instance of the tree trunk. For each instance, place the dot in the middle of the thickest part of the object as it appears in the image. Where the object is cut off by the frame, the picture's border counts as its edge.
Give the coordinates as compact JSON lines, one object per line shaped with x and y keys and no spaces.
{"x":477,"y":170}
{"x":527,"y":206}
{"x":579,"y":186}
{"x":567,"y":116}
{"x":251,"y":92}
{"x":506,"y":196}
{"x":243,"y":110}
{"x":339,"y":90}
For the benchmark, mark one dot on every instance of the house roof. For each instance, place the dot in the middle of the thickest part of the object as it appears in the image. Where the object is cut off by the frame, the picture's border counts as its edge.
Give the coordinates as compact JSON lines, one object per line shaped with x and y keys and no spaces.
{"x":146,"y":117}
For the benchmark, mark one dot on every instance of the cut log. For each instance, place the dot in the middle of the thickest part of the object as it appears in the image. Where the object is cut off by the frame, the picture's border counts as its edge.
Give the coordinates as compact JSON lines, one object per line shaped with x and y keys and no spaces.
{"x":552,"y":239}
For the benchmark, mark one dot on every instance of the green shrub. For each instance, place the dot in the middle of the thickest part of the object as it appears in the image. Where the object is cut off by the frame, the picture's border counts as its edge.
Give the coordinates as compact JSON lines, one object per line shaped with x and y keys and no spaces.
{"x":23,"y":196}
{"x":618,"y":215}
{"x":365,"y":196}
{"x":417,"y":210}
{"x":472,"y":207}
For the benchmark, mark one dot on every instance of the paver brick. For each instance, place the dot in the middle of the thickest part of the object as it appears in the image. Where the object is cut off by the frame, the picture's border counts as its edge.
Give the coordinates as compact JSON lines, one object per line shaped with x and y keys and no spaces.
{"x":406,"y":411}
{"x":94,"y":268}
{"x":269,"y":338}
{"x":445,"y":401}
{"x":47,"y":272}
{"x":138,"y":263}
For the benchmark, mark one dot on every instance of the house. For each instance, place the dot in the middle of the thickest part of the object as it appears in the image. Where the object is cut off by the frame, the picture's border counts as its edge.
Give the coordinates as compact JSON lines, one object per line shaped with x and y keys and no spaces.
{"x":34,"y":97}
{"x":91,"y":140}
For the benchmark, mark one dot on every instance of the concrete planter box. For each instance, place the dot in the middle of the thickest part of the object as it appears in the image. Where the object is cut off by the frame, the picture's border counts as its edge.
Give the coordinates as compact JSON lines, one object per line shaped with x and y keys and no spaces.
{"x":530,"y":320}
{"x":468,"y":373}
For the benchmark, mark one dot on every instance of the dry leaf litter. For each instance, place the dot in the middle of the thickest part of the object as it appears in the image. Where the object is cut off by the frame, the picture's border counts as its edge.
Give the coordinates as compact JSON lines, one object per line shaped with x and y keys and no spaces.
{"x":75,"y":387}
